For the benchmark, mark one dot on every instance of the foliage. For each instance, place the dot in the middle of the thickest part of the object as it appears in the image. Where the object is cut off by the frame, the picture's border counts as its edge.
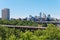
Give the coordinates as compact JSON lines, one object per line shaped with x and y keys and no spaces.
{"x":50,"y":33}
{"x":18,"y":22}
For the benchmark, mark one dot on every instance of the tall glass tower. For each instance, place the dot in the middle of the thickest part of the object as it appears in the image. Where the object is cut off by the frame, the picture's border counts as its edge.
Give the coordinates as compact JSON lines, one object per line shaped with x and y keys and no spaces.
{"x":40,"y":15}
{"x":5,"y":14}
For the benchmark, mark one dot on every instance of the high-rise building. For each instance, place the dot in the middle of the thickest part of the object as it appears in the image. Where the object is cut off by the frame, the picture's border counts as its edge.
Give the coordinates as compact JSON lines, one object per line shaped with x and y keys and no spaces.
{"x":44,"y":17}
{"x":40,"y":18}
{"x":40,"y":15}
{"x":48,"y":17}
{"x":5,"y":14}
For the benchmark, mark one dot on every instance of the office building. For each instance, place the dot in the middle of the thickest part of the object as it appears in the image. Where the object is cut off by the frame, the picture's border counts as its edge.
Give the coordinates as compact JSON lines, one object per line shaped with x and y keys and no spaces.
{"x":44,"y":17}
{"x":48,"y":17}
{"x":5,"y":14}
{"x":40,"y":15}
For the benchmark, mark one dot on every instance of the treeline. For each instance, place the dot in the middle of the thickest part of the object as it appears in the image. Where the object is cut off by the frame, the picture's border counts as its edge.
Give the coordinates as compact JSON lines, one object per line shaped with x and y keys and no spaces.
{"x":51,"y":33}
{"x":19,"y":22}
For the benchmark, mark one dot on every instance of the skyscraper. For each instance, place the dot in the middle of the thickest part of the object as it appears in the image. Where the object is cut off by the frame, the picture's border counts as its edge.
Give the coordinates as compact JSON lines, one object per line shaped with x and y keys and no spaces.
{"x":5,"y":14}
{"x":40,"y":15}
{"x":44,"y":17}
{"x":48,"y":17}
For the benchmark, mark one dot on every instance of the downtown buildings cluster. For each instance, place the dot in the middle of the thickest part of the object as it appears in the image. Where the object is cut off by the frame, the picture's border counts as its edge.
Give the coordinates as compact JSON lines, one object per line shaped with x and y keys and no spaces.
{"x":41,"y":17}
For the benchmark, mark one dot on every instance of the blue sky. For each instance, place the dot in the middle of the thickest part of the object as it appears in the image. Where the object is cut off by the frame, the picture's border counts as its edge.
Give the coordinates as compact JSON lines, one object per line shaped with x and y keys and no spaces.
{"x":24,"y":8}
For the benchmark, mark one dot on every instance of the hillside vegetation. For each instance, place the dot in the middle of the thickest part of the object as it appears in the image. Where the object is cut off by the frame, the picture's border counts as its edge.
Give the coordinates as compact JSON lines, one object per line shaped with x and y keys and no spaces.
{"x":19,"y":22}
{"x":51,"y":33}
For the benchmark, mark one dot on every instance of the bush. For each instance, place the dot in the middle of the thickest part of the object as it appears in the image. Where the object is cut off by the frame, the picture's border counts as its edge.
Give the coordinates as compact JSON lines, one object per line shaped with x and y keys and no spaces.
{"x":50,"y":33}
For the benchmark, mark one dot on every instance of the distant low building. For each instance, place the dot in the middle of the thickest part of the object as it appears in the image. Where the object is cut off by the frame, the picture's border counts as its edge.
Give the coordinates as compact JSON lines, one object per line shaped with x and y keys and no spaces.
{"x":25,"y":18}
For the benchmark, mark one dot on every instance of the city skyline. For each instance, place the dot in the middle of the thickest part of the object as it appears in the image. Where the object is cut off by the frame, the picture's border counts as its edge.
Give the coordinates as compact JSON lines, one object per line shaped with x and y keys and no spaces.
{"x":24,"y":8}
